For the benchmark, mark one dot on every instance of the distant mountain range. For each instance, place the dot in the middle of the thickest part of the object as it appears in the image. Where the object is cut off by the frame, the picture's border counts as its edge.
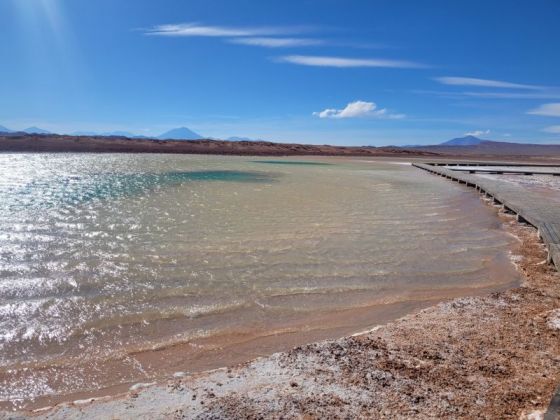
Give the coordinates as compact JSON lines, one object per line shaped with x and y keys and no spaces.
{"x":462,"y":145}
{"x":180,"y":133}
{"x":29,"y":130}
{"x":84,"y":133}
{"x":234,"y":138}
{"x":36,"y":130}
{"x":109,"y":134}
{"x":463,"y":141}
{"x":474,"y":146}
{"x":459,"y":141}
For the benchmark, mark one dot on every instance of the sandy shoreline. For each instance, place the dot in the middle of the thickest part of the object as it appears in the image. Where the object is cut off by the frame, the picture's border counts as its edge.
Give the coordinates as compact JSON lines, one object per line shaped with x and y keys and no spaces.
{"x":494,"y":356}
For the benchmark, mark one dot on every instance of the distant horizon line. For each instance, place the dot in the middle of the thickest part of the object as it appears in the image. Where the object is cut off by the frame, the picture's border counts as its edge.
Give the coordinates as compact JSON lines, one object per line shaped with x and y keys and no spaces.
{"x":34,"y":130}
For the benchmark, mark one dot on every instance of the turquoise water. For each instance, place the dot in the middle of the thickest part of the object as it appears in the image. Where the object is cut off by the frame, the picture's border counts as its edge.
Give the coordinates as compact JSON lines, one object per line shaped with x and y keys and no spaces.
{"x":291,"y":162}
{"x":59,"y":190}
{"x":106,"y":257}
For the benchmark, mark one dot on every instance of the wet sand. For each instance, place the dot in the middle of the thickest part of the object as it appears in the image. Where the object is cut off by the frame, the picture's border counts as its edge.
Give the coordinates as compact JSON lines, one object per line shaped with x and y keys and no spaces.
{"x":208,"y":353}
{"x":493,"y":356}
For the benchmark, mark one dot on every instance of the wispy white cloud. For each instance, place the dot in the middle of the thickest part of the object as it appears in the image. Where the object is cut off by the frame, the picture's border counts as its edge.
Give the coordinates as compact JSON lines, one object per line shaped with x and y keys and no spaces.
{"x":195,"y":29}
{"x":552,"y":94}
{"x":342,"y":62}
{"x":276,"y":42}
{"x":477,"y":133}
{"x":358,"y":109}
{"x":548,"y":110}
{"x":470,"y":81}
{"x":554,"y":129}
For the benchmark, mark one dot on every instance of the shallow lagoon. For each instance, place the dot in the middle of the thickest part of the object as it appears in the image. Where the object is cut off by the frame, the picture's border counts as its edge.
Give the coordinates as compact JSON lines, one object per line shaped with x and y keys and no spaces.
{"x":124,"y":268}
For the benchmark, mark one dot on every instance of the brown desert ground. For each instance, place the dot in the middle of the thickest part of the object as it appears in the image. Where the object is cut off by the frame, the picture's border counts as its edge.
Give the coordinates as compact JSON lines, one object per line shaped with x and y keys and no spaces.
{"x":21,"y":142}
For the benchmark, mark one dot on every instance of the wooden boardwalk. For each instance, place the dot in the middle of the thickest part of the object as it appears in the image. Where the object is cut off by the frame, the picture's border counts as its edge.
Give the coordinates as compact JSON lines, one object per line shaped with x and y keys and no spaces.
{"x":528,"y":207}
{"x":491,"y":163}
{"x":503,"y":170}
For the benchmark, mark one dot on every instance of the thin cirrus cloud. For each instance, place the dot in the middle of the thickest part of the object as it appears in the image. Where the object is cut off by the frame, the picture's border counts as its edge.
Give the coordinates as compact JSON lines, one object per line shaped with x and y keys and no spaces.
{"x":470,"y":81}
{"x":548,"y":94}
{"x":263,"y":36}
{"x":358,"y":109}
{"x":276,"y":37}
{"x":554,"y":129}
{"x":477,"y":133}
{"x":547,"y":110}
{"x":195,"y":29}
{"x":343,"y":62}
{"x":552,"y":94}
{"x":276,"y":42}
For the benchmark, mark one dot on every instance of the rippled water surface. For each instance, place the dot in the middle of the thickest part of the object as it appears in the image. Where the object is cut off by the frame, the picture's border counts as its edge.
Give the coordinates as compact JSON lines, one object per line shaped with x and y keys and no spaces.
{"x":104,"y":258}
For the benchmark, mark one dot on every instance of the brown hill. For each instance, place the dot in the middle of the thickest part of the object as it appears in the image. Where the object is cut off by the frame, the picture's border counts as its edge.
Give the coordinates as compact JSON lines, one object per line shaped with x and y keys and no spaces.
{"x":494,"y":149}
{"x":20,"y":142}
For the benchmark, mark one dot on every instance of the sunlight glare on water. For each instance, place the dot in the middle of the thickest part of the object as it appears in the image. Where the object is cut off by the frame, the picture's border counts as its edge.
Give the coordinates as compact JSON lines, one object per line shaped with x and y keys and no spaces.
{"x":104,"y":256}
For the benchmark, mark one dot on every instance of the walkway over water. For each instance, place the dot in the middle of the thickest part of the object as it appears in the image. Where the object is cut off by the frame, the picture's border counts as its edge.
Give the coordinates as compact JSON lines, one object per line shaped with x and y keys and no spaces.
{"x":490,"y":163}
{"x":529,"y":207}
{"x":503,"y":170}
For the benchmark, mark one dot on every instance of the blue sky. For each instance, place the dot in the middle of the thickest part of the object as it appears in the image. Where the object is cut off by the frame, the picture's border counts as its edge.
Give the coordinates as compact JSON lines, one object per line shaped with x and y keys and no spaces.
{"x":311,"y":71}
